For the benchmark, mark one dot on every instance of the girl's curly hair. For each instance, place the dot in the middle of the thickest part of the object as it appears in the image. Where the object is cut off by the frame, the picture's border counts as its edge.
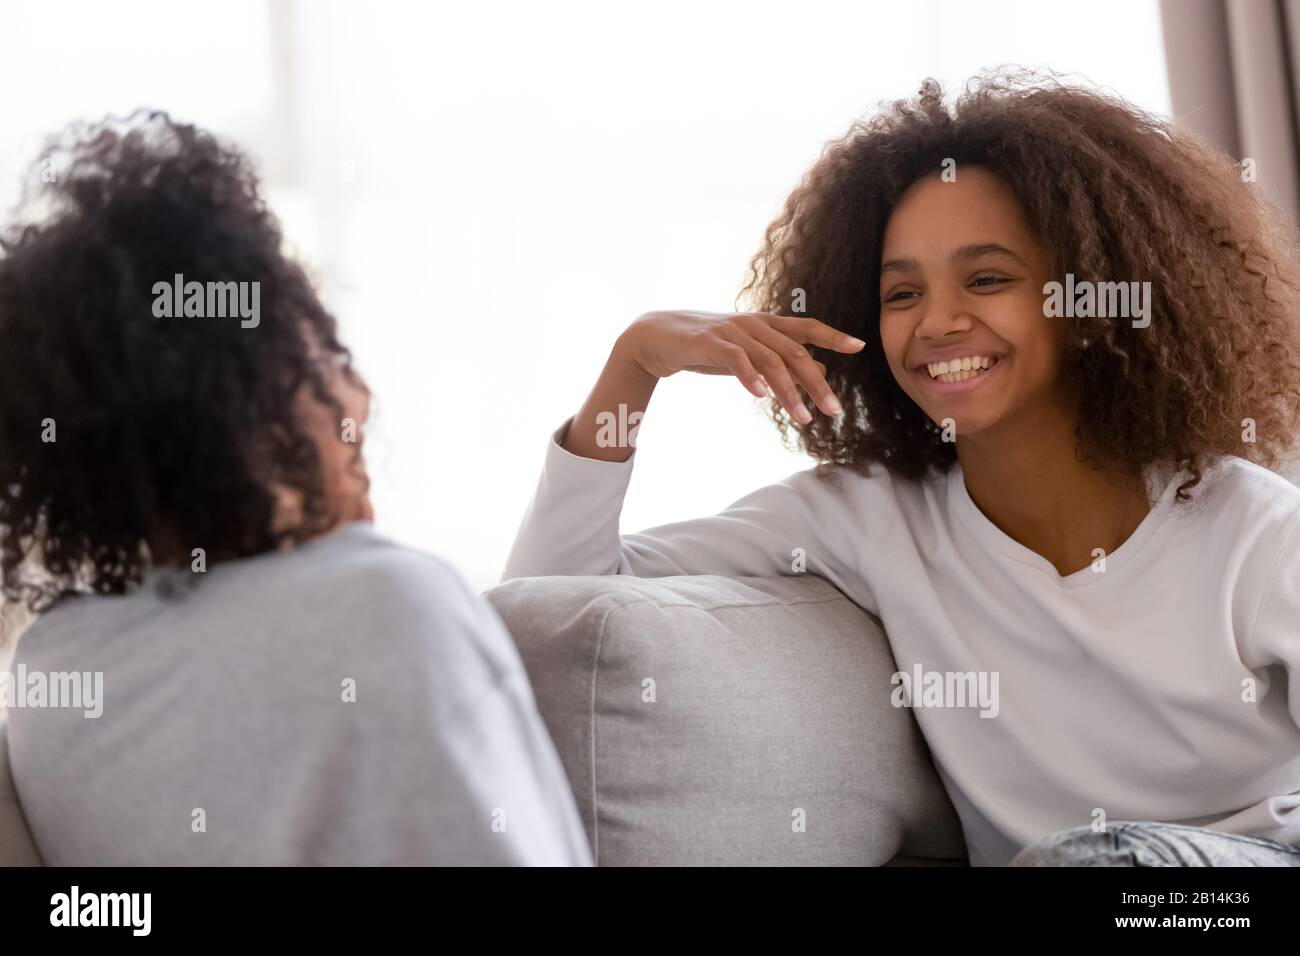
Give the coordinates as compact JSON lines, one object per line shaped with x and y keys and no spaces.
{"x":167,"y":433}
{"x":1114,"y":194}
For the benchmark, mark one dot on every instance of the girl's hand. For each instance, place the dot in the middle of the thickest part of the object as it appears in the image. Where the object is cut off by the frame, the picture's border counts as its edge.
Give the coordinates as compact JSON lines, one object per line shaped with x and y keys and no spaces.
{"x":753,"y":346}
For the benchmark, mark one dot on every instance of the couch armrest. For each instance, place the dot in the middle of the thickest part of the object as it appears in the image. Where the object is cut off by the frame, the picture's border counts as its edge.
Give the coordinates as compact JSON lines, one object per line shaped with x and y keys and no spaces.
{"x":708,"y":720}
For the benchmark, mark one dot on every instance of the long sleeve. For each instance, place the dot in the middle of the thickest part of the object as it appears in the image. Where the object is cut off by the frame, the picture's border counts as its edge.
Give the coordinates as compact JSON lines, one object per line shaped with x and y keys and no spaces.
{"x":1275,"y":635}
{"x":1274,"y":641}
{"x":808,"y":523}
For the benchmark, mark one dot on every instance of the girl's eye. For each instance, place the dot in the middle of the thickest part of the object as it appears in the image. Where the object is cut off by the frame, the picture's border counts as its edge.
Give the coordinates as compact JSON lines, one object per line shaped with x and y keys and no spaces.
{"x":899,"y":296}
{"x":985,"y":282}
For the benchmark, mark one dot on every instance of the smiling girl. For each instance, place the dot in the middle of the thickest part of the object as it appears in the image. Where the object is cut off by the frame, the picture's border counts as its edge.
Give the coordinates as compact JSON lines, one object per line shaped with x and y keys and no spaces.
{"x":1079,"y":505}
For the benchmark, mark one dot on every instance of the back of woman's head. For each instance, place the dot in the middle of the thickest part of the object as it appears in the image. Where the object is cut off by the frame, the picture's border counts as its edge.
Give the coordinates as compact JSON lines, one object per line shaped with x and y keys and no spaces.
{"x":138,"y":424}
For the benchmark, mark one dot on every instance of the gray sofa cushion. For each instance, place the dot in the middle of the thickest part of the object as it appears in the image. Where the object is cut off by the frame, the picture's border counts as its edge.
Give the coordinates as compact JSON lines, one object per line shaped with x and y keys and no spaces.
{"x":16,"y":846}
{"x":770,"y":703}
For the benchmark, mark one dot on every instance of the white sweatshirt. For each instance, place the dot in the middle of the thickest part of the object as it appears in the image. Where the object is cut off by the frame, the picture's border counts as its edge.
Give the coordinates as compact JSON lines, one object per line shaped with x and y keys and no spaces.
{"x":1165,"y":687}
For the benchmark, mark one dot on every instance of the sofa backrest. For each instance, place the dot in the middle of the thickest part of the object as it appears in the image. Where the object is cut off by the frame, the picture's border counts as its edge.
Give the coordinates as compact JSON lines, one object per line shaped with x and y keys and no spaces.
{"x":708,"y":720}
{"x":17,"y":848}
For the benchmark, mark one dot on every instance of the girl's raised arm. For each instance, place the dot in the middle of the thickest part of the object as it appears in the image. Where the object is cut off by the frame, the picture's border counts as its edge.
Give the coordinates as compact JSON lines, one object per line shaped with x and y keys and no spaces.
{"x":804,"y":523}
{"x":752,"y":346}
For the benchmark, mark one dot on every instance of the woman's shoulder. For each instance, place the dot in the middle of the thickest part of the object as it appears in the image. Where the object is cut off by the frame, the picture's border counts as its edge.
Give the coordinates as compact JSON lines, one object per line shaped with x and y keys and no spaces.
{"x":359,"y":556}
{"x":415,"y":610}
{"x":357,"y":603}
{"x":404,"y":591}
{"x":352,"y":595}
{"x":1243,"y":488}
{"x":1255,"y":527}
{"x":1238,"y":504}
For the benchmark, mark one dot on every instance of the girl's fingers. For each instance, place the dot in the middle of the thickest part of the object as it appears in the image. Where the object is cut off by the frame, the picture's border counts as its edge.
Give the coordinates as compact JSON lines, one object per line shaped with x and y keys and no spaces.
{"x":810,"y":373}
{"x":737,"y":361}
{"x":809,"y":330}
{"x":772,"y":367}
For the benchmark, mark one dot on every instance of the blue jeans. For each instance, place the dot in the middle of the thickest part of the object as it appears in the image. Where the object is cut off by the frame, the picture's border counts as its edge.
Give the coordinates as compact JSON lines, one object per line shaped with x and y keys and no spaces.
{"x":1154,"y":844}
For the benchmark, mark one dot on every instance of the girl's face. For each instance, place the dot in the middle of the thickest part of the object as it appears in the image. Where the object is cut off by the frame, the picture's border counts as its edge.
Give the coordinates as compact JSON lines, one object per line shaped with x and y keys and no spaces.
{"x":961,"y":292}
{"x":339,"y":443}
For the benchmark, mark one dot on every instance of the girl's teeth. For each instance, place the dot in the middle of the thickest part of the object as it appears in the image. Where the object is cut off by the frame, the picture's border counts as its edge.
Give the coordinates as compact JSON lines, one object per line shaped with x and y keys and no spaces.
{"x":959,"y":370}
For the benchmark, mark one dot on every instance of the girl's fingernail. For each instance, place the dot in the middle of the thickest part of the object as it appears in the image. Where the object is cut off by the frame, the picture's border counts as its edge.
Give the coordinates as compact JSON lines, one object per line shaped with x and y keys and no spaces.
{"x":803,"y":415}
{"x":834,"y":405}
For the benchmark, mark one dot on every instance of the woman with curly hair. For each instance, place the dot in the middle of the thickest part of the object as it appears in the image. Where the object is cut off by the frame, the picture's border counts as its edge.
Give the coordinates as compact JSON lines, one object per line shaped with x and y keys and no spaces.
{"x":183,"y":500}
{"x":1074,"y":500}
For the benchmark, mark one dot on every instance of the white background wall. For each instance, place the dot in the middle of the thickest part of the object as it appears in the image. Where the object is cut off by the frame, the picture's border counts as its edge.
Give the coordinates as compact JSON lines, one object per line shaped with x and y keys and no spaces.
{"x":491,"y":192}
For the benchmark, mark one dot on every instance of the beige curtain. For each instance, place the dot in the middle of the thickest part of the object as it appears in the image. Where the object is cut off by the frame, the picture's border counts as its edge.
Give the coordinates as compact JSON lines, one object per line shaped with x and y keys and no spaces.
{"x":1234,"y":77}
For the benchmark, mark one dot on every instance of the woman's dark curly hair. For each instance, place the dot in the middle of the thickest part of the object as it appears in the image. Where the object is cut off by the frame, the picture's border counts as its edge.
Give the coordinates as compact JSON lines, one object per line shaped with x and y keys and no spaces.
{"x":169,"y":433}
{"x":1114,"y":194}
